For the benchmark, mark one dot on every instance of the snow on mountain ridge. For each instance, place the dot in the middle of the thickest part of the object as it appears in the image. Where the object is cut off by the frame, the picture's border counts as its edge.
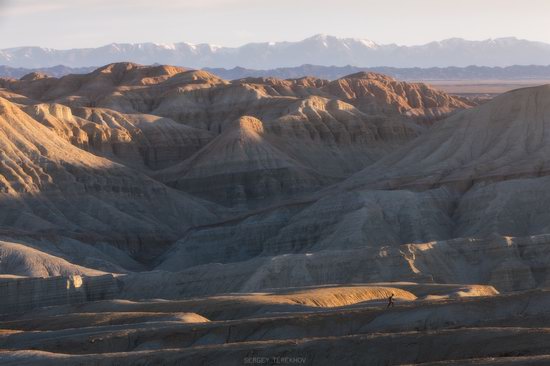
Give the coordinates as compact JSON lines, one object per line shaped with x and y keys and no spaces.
{"x":320,"y":49}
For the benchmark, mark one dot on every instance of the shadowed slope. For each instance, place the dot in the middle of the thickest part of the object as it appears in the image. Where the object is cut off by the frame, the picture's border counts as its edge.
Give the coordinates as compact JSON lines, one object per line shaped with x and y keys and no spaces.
{"x":47,"y":184}
{"x":376,"y":211}
{"x":241,"y":165}
{"x":330,"y":129}
{"x":503,"y":139}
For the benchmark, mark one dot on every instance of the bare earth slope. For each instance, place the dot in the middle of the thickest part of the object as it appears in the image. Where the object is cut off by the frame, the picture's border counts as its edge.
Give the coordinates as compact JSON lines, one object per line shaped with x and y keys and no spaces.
{"x":475,"y":178}
{"x":326,"y":325}
{"x":503,"y":139}
{"x":153,"y":118}
{"x":239,"y":164}
{"x":48,"y":185}
{"x":337,"y":194}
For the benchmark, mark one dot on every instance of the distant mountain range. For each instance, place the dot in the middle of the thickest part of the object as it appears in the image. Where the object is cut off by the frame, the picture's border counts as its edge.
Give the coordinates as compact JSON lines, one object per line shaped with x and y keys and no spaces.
{"x":55,"y":71}
{"x":336,"y":72}
{"x":320,"y":50}
{"x":516,"y":72}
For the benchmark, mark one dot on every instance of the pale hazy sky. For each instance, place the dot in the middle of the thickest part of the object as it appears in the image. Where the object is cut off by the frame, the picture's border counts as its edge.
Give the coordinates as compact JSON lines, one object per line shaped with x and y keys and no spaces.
{"x":90,"y":23}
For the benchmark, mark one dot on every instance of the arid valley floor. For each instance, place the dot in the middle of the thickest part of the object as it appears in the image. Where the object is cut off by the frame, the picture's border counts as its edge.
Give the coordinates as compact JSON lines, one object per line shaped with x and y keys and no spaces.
{"x":155,"y":215}
{"x":481,"y":88}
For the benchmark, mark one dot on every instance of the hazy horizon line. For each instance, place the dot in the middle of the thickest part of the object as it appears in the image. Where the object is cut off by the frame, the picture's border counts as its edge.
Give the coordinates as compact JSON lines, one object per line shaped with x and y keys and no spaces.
{"x":279,"y":42}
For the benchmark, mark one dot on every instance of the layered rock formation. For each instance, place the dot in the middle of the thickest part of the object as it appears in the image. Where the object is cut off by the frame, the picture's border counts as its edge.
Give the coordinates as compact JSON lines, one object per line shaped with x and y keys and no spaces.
{"x":300,"y":136}
{"x":163,"y":117}
{"x":241,"y":164}
{"x":310,"y":133}
{"x":501,"y":140}
{"x":23,"y":294}
{"x":138,"y":140}
{"x":125,"y":172}
{"x":48,"y":185}
{"x":438,"y":188}
{"x":375,"y":93}
{"x":317,"y":325}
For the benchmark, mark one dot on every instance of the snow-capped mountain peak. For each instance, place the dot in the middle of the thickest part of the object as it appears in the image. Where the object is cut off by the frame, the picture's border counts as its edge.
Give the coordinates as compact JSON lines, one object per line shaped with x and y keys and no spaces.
{"x":320,"y":49}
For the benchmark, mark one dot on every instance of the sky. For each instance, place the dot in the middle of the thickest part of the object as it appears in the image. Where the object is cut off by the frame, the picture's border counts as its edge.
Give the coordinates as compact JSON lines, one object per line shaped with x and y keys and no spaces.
{"x":65,"y":24}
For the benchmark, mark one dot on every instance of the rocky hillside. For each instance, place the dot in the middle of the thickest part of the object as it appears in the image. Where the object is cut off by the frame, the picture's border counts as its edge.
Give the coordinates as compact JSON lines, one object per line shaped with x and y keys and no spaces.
{"x":48,"y":185}
{"x":167,"y":214}
{"x":181,"y":126}
{"x":175,"y":169}
{"x":473,"y":183}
